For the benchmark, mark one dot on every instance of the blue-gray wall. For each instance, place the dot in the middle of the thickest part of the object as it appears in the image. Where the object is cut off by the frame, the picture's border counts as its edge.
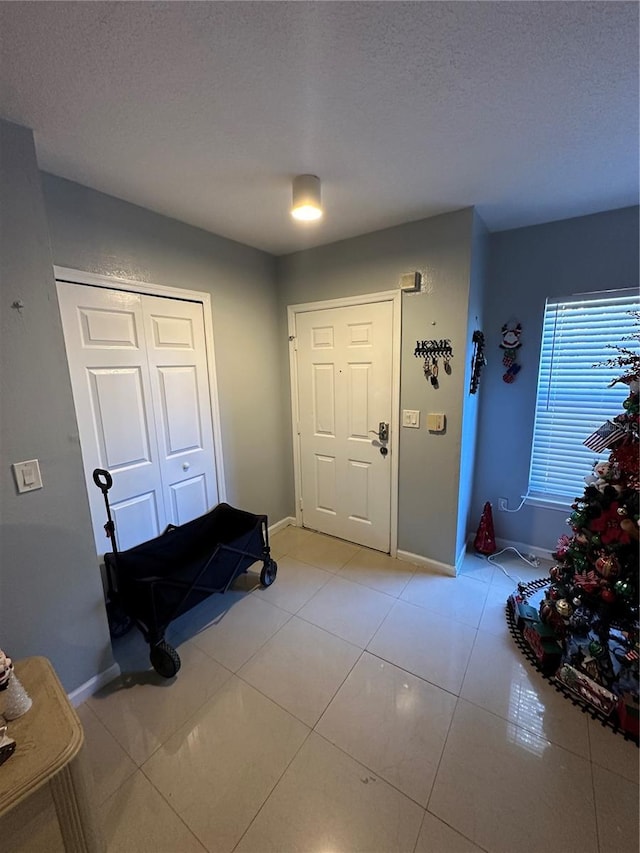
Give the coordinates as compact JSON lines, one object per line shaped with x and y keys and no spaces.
{"x":477,"y":287}
{"x":51,"y":600}
{"x":527,"y":265}
{"x":429,"y":464}
{"x":97,"y":233}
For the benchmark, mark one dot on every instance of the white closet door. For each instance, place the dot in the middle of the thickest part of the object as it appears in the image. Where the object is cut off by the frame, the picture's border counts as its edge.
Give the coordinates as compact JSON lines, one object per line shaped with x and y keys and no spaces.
{"x":180,"y":393}
{"x":140,"y":385}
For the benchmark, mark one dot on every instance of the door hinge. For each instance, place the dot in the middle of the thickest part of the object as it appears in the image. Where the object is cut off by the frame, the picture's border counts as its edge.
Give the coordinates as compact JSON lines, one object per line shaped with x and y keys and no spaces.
{"x":301,"y":505}
{"x":298,"y":427}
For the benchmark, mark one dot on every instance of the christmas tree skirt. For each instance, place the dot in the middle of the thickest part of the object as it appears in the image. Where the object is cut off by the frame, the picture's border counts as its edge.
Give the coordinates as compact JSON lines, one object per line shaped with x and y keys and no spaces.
{"x":575,"y":667}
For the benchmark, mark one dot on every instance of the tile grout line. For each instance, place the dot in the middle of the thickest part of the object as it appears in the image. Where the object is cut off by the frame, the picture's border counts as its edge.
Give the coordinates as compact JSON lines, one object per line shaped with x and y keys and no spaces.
{"x":286,"y":710}
{"x":412,"y":674}
{"x":370,"y":770}
{"x":188,"y":828}
{"x":275,"y":784}
{"x":259,"y":649}
{"x":100,"y":803}
{"x":593,"y":789}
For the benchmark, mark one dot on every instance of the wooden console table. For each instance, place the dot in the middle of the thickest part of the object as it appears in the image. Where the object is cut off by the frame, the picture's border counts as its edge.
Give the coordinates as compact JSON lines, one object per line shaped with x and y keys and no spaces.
{"x":49,"y":740}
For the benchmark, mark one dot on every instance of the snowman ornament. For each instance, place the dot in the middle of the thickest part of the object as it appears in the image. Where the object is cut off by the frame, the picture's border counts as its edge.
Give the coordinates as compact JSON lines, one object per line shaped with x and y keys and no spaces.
{"x":510,"y":346}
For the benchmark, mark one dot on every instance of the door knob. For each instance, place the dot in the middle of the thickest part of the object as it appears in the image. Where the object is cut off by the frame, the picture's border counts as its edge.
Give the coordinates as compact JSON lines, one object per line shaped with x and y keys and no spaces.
{"x":382,"y":431}
{"x":185,"y":466}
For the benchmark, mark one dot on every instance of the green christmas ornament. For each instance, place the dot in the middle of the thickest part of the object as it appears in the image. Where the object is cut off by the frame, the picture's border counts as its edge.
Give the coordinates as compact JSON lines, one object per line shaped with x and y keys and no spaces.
{"x":595,"y":648}
{"x":623,"y":589}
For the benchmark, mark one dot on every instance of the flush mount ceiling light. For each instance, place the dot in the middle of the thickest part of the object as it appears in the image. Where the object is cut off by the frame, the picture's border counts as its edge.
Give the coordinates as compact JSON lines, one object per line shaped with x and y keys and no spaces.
{"x":307,"y":200}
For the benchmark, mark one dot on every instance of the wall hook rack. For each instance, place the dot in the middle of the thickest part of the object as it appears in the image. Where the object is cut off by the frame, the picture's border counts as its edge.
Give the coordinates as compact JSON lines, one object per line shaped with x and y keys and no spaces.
{"x":431,"y":351}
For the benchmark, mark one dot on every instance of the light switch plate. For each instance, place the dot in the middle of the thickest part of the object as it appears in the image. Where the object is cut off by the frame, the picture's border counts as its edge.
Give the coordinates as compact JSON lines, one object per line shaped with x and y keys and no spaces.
{"x":411,"y":418}
{"x":27,"y":475}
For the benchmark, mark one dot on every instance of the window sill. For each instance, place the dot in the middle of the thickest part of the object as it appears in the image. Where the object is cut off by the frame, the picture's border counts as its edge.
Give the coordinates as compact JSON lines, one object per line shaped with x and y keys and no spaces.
{"x":557,"y":503}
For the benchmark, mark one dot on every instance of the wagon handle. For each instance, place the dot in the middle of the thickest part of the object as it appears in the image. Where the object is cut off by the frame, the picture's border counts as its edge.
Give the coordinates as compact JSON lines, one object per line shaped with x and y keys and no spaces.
{"x":103,"y":480}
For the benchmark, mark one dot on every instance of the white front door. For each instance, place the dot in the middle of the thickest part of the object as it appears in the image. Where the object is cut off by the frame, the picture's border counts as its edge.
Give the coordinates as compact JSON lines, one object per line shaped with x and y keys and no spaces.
{"x":140,"y":386}
{"x":344,"y":376}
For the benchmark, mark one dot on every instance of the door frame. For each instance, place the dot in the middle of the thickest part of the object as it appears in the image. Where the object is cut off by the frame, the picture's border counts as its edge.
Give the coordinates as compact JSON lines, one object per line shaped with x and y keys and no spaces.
{"x":73,"y":276}
{"x":395,"y":297}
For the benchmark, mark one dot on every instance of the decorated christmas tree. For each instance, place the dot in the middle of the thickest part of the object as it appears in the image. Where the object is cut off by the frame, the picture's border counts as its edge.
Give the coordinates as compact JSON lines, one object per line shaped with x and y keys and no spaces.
{"x":591,"y":605}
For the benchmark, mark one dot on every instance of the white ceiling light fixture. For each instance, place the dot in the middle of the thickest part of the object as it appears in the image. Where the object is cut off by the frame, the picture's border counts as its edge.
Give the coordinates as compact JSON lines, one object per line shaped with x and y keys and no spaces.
{"x":306,"y":198}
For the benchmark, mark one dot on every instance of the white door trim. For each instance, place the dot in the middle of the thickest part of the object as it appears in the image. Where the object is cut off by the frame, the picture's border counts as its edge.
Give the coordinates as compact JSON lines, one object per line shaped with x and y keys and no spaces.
{"x":395,"y":297}
{"x":131,"y":285}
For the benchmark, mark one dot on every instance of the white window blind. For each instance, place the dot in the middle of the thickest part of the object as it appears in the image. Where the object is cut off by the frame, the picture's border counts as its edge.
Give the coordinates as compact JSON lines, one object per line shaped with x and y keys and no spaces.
{"x":573,"y":399}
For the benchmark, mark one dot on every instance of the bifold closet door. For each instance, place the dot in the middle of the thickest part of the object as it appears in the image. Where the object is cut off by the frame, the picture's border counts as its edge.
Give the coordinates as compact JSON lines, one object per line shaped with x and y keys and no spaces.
{"x":138,"y":371}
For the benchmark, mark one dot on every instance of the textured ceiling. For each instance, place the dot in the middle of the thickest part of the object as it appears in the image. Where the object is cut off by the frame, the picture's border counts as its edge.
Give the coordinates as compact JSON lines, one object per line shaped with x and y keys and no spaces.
{"x":205,"y":111}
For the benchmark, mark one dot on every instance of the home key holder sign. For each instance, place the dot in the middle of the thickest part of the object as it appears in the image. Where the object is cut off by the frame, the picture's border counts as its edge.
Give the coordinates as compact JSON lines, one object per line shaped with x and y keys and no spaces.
{"x":433,"y":352}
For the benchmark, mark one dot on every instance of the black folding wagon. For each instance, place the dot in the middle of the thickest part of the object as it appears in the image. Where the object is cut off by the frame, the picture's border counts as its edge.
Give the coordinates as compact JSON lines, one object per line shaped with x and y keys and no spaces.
{"x":155,"y":582}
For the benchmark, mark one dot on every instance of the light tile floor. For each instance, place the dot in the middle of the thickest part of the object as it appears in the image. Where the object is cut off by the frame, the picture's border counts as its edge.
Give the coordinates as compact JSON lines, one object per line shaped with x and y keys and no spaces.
{"x":358,"y":704}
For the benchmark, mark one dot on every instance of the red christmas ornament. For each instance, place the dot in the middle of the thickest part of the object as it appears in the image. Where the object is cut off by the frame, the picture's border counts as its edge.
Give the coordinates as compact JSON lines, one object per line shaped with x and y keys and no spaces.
{"x":608,"y":595}
{"x":485,"y":541}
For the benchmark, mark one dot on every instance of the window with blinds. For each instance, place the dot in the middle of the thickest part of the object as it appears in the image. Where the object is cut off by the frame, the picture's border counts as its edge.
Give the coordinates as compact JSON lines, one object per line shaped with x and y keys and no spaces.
{"x":573,"y":397}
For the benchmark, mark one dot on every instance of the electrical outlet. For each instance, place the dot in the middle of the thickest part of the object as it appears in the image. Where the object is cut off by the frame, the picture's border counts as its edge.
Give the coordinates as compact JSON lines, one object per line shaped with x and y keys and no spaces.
{"x":503,"y":504}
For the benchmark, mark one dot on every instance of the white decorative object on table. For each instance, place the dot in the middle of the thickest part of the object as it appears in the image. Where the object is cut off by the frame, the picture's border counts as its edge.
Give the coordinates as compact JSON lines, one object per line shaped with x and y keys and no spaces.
{"x":6,"y":668}
{"x":16,"y":700}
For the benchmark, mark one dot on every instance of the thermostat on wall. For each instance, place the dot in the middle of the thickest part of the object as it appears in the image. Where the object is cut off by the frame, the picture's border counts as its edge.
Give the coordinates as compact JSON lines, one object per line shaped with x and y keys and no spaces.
{"x":436,"y":422}
{"x":411,"y":281}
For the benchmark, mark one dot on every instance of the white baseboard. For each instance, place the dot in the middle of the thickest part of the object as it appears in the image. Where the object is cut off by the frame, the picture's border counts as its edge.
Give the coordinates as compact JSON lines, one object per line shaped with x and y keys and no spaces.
{"x":280,"y":525}
{"x":460,"y":558}
{"x":80,"y":694}
{"x":426,"y":563}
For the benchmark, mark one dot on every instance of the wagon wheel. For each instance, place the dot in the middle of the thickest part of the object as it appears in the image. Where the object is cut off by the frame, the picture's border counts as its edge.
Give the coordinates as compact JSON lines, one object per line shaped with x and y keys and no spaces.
{"x":268,"y":573}
{"x":164,"y":659}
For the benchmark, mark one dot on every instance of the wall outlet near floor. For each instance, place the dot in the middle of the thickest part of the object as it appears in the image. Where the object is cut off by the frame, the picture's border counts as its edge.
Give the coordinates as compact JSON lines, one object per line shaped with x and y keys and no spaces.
{"x":503,"y":504}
